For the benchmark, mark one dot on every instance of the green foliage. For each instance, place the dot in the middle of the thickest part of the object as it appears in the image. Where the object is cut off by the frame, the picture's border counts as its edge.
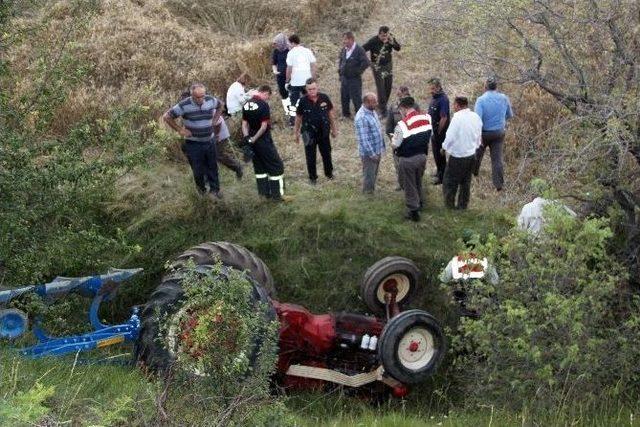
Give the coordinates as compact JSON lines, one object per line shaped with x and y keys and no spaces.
{"x":559,"y":327}
{"x":26,"y":407}
{"x":60,"y":391}
{"x":224,"y":340}
{"x":218,"y":328}
{"x":54,"y":188}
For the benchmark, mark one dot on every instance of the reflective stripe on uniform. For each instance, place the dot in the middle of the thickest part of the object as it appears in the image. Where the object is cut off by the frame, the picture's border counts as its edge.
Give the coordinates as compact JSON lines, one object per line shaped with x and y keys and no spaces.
{"x":261,"y":175}
{"x":280,"y":179}
{"x":293,"y":108}
{"x":285,"y":104}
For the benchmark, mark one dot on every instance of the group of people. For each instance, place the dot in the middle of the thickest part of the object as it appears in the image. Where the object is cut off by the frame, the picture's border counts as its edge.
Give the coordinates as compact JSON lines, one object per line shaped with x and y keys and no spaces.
{"x":458,"y":140}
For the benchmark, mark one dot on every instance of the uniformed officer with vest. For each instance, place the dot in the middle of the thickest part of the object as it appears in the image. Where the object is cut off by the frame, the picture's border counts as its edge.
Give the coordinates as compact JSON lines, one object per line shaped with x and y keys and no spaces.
{"x":256,"y":128}
{"x":315,"y":124}
{"x":411,"y":142}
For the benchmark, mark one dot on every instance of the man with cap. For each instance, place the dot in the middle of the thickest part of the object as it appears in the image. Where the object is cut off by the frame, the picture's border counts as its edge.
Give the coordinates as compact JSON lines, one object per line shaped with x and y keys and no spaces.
{"x":411,"y":142}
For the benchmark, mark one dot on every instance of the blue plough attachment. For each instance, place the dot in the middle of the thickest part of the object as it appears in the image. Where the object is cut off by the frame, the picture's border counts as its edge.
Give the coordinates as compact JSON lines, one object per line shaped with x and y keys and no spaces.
{"x":14,"y":323}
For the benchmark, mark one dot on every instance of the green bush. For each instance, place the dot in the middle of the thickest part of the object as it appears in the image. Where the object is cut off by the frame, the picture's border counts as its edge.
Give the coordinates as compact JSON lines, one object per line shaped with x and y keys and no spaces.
{"x":225,"y":346}
{"x":55,"y":187}
{"x":560,"y":327}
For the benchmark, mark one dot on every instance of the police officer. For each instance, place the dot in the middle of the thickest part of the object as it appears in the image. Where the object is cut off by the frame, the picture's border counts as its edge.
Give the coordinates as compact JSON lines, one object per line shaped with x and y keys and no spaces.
{"x":315,"y":121}
{"x":256,"y":128}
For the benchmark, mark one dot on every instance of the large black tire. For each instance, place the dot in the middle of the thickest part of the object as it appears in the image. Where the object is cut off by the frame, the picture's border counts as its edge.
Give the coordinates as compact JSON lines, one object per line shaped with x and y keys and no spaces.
{"x":231,"y":255}
{"x":405,"y":271}
{"x":404,"y":363}
{"x":167,"y":299}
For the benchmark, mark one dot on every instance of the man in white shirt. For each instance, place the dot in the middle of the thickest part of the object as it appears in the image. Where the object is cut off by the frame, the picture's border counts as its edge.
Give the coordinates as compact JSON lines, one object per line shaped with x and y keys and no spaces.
{"x":301,"y":66}
{"x":236,"y":95}
{"x":463,"y":138}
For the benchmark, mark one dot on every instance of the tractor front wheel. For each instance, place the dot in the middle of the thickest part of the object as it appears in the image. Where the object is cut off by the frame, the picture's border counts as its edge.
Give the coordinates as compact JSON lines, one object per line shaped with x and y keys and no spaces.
{"x":411,"y":346}
{"x":393,"y":274}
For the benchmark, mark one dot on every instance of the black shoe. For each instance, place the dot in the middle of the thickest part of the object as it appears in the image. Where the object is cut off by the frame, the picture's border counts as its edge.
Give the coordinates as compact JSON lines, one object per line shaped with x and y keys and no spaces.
{"x":239,"y":174}
{"x":413,"y":216}
{"x":330,"y":177}
{"x":437,"y":182}
{"x":313,"y":181}
{"x":215,"y":195}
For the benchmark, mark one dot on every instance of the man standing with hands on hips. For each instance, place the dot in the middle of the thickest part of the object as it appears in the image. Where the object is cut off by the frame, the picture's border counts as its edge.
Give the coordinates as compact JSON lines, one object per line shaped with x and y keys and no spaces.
{"x":315,"y":121}
{"x":200,"y":114}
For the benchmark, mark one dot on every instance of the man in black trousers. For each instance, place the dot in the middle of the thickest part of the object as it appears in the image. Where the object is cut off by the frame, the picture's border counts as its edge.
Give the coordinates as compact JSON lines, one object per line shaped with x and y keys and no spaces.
{"x":381,"y":47}
{"x":352,"y":63}
{"x":439,"y":112}
{"x":315,"y":123}
{"x":256,"y":128}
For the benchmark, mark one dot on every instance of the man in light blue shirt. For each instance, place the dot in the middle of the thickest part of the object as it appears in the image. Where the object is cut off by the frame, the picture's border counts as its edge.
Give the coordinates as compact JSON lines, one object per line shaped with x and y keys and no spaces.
{"x":494,"y":108}
{"x":370,"y":141}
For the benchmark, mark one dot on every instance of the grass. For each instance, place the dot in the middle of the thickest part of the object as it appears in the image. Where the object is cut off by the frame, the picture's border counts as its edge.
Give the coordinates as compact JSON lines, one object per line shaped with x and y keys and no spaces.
{"x":79,"y":394}
{"x":317,"y":247}
{"x":82,"y":394}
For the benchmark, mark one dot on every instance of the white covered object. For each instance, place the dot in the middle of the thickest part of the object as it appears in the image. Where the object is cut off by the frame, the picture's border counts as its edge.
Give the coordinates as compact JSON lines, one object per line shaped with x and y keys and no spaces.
{"x":531,"y":216}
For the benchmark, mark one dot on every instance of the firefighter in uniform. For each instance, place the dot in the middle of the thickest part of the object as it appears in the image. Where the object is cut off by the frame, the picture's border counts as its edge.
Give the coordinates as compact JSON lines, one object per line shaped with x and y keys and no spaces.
{"x":256,"y":128}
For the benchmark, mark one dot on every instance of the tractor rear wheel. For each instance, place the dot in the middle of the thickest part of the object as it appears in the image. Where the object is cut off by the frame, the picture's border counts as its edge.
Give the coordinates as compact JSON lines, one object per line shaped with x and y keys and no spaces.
{"x":167,"y":305}
{"x":411,"y":346}
{"x":231,"y":255}
{"x":391,"y":274}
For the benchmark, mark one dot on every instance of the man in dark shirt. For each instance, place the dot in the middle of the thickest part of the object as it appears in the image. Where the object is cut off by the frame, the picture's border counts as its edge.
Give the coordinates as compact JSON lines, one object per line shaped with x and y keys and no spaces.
{"x":279,"y":64}
{"x":256,"y":128}
{"x":351,"y":64}
{"x":200,"y":114}
{"x":381,"y":47}
{"x":315,"y":121}
{"x":439,"y":112}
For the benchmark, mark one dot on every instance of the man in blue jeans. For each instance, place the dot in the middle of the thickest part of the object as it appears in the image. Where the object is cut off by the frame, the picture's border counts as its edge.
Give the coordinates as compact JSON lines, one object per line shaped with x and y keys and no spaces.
{"x":200,"y":114}
{"x":494,"y":108}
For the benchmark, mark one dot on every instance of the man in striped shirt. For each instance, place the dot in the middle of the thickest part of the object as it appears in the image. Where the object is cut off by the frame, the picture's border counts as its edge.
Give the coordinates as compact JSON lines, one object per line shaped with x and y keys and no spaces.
{"x":200,"y":114}
{"x":411,"y":142}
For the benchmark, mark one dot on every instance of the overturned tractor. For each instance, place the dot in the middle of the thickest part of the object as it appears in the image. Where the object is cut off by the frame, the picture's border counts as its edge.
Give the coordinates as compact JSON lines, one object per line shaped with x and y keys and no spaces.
{"x":395,"y":348}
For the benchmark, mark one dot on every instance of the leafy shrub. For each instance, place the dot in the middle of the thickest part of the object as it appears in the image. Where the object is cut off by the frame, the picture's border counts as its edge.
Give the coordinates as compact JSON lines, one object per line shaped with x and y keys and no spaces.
{"x":225,"y":345}
{"x":26,"y":407}
{"x":54,"y":187}
{"x":559,"y":327}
